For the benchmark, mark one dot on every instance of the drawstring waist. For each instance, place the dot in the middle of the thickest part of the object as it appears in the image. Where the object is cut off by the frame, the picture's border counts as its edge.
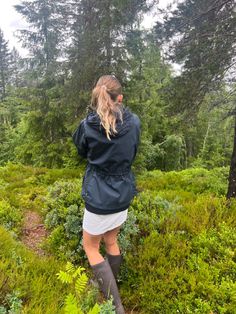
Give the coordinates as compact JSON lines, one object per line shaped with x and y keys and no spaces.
{"x":99,"y":170}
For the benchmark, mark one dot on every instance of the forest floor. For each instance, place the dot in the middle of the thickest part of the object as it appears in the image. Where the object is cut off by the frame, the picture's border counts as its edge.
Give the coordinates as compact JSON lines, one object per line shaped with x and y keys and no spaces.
{"x":34,"y":232}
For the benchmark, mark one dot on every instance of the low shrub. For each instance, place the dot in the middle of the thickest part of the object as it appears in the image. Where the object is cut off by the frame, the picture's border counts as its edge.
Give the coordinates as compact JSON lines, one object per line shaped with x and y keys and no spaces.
{"x":10,"y":217}
{"x":29,"y":284}
{"x":178,"y":241}
{"x":171,"y":274}
{"x":195,"y":180}
{"x":33,"y":278}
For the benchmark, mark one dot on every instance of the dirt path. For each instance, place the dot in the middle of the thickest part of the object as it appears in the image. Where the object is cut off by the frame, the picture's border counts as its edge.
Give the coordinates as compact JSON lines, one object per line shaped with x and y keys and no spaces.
{"x":34,"y":232}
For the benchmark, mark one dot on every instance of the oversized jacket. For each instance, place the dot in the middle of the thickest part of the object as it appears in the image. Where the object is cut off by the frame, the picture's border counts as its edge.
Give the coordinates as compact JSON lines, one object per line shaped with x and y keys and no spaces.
{"x":109,"y":184}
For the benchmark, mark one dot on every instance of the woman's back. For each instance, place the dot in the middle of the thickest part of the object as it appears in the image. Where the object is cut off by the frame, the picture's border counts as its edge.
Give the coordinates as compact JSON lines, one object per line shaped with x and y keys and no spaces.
{"x":115,"y":155}
{"x":108,"y":184}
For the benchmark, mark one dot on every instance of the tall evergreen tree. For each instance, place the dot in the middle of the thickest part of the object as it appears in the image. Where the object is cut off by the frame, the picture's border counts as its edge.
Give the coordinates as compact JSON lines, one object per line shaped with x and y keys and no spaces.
{"x":99,"y":30}
{"x":201,"y":36}
{"x":5,"y":60}
{"x":43,"y":38}
{"x":43,"y":127}
{"x":148,"y":77}
{"x":16,"y":69}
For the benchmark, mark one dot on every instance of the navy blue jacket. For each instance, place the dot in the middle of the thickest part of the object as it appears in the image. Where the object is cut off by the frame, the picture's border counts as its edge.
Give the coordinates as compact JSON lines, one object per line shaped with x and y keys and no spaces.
{"x":108,"y":184}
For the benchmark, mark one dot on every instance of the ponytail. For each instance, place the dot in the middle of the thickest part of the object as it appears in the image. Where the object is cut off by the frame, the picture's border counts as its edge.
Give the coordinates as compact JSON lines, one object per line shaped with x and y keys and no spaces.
{"x":104,"y":100}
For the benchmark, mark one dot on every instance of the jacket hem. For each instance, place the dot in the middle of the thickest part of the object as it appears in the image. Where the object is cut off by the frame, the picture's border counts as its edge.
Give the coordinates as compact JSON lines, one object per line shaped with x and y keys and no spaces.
{"x":103,"y":211}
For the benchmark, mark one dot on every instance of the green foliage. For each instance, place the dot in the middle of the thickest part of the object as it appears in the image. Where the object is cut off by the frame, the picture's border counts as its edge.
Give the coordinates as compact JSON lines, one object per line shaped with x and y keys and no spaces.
{"x":107,"y":308}
{"x":167,"y":155}
{"x":195,"y":180}
{"x":74,"y":302}
{"x":71,"y":305}
{"x":183,"y":258}
{"x":196,"y":36}
{"x":128,"y":230}
{"x":10,"y":217}
{"x":43,"y":130}
{"x":204,"y":148}
{"x":46,"y":96}
{"x":150,"y":75}
{"x":178,"y":243}
{"x":63,"y":216}
{"x":95,"y":310}
{"x":184,"y":276}
{"x":14,"y":304}
{"x":4,"y":65}
{"x":31,"y":277}
{"x":30,"y":284}
{"x":79,"y":281}
{"x":24,"y":188}
{"x":179,"y":238}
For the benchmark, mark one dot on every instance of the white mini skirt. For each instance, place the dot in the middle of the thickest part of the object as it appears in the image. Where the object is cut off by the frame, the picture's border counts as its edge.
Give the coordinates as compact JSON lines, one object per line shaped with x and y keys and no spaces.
{"x":96,"y":224}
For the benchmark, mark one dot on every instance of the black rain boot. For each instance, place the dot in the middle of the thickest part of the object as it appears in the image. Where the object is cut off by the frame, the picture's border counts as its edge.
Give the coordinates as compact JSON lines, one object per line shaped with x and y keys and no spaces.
{"x":107,"y":284}
{"x":115,"y":262}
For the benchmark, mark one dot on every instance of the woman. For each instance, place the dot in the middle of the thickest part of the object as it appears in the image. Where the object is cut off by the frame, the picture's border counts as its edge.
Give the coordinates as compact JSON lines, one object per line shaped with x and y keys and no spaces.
{"x":108,"y":137}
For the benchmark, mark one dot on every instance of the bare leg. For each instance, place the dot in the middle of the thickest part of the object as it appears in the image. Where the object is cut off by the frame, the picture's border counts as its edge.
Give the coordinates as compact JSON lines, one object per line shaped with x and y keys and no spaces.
{"x":101,"y":267}
{"x":110,"y":240}
{"x":91,"y":245}
{"x":113,"y":254}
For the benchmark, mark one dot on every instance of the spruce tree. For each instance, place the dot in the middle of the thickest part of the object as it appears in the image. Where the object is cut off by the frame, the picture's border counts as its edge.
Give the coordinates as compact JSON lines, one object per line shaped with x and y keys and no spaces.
{"x":43,"y":127}
{"x":98,"y":31}
{"x":16,"y":69}
{"x":5,"y":58}
{"x":44,"y":36}
{"x":202,"y":37}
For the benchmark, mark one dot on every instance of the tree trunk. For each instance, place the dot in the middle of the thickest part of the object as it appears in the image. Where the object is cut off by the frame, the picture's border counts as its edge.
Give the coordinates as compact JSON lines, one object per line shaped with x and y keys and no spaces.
{"x":232,"y":172}
{"x":108,"y":39}
{"x":205,"y":138}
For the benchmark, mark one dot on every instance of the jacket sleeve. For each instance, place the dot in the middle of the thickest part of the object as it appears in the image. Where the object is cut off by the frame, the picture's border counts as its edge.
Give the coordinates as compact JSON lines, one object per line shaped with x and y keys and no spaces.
{"x":80,"y":141}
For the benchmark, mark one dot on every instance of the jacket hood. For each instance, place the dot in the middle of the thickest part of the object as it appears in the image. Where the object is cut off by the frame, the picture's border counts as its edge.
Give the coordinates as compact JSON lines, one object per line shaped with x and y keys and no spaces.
{"x":93,"y":120}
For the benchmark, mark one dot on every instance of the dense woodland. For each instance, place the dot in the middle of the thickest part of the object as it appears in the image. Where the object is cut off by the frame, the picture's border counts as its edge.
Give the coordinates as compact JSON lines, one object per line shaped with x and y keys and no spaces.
{"x":179,"y":239}
{"x":187,"y":118}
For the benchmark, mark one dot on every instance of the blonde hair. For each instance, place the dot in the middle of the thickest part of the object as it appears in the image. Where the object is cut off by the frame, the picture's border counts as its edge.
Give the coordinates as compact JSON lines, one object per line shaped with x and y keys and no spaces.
{"x":104,"y":102}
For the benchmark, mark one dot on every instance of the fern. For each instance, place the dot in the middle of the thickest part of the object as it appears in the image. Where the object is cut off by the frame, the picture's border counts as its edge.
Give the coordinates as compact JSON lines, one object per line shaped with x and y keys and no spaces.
{"x":71,"y":305}
{"x":78,"y":280}
{"x":81,"y":283}
{"x":70,"y":268}
{"x":95,"y":309}
{"x":78,"y":271}
{"x":64,"y":277}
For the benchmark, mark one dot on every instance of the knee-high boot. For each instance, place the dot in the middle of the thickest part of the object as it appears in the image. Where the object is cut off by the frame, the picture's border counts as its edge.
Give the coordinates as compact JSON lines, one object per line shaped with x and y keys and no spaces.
{"x":115,"y":261}
{"x":107,"y":283}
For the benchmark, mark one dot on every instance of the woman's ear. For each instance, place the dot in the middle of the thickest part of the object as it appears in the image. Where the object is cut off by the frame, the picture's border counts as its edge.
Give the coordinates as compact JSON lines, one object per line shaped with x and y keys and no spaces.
{"x":120,"y":98}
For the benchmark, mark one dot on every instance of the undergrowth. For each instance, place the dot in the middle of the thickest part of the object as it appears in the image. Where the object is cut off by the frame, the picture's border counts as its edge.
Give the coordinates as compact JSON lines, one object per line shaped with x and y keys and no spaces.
{"x":178,"y":242}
